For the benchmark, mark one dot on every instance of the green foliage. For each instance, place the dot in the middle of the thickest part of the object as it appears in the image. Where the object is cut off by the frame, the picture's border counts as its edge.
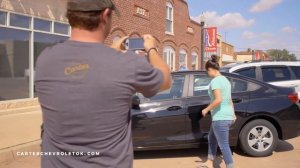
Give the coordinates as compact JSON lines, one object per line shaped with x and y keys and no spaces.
{"x":281,"y":55}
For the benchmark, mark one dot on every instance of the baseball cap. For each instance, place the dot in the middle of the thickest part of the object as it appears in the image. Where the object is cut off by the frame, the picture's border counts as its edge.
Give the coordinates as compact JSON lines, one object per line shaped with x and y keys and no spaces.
{"x":91,"y":5}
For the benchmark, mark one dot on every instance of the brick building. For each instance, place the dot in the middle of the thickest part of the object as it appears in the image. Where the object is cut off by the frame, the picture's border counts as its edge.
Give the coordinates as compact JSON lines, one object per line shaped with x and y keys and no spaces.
{"x":228,"y":54}
{"x":168,"y":21}
{"x":28,"y":27}
{"x":251,"y":55}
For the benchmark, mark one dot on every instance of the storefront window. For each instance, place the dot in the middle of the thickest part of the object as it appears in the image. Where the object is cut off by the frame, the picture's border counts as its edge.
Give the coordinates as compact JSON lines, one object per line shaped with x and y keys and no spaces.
{"x":183,"y":60}
{"x":20,"y":21}
{"x":61,"y":28}
{"x":2,"y":18}
{"x":194,"y":60}
{"x":169,"y":57}
{"x":43,"y":40}
{"x":16,"y":79}
{"x":42,"y":25}
{"x":14,"y":64}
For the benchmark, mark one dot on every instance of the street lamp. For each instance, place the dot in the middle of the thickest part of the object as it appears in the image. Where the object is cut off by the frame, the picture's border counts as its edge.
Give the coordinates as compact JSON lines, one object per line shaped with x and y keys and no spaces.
{"x":202,"y":24}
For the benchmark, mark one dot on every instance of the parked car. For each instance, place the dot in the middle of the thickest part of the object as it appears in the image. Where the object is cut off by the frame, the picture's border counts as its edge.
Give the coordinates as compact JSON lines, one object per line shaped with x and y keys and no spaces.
{"x":286,"y":74}
{"x":172,"y":119}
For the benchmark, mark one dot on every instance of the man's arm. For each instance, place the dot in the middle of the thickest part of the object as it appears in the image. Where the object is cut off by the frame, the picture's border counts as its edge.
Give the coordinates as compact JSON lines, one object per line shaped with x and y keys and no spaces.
{"x":157,"y":62}
{"x":155,"y":59}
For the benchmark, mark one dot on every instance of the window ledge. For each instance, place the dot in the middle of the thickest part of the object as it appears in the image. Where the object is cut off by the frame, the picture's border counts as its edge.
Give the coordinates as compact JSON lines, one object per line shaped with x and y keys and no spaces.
{"x":170,"y":33}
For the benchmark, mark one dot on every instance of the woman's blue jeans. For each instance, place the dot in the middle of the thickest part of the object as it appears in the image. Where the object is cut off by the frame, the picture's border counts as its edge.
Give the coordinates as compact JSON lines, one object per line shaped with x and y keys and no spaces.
{"x":219,"y":136}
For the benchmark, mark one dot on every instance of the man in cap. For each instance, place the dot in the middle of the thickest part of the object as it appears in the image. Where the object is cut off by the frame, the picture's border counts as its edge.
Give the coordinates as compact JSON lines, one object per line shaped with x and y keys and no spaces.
{"x":85,"y":89}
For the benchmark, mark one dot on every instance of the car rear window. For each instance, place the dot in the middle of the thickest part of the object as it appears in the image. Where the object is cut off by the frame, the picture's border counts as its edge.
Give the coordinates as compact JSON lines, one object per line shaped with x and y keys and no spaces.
{"x":296,"y":70}
{"x":243,"y":86}
{"x":249,"y":72}
{"x":275,"y":74}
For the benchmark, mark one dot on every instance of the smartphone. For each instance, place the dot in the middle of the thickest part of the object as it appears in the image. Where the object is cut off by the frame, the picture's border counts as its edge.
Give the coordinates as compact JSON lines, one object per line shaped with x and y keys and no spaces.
{"x":135,"y":44}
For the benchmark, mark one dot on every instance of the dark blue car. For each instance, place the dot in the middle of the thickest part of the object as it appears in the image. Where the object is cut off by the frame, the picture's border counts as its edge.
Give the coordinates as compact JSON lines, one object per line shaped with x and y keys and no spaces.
{"x":173,"y":120}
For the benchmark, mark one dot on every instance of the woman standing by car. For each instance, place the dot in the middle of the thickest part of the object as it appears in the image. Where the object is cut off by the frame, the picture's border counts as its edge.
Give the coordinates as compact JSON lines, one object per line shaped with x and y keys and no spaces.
{"x":222,"y":113}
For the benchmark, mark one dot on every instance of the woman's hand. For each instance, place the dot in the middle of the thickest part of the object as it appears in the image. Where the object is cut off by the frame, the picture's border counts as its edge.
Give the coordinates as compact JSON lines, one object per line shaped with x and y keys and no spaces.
{"x":204,"y":112}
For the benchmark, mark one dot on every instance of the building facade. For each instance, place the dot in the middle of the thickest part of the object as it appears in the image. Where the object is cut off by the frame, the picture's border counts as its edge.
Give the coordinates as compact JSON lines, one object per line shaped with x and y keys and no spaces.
{"x":251,"y":55}
{"x":28,"y":27}
{"x":179,"y":37}
{"x":227,"y":53}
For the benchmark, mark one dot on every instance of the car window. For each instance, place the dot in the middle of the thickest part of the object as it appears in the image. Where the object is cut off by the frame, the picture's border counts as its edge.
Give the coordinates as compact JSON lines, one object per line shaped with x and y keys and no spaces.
{"x":296,"y":70}
{"x":249,"y":72}
{"x":274,"y":74}
{"x":238,"y":86}
{"x":243,"y":86}
{"x":225,"y":69}
{"x":174,"y":92}
{"x":201,"y":85}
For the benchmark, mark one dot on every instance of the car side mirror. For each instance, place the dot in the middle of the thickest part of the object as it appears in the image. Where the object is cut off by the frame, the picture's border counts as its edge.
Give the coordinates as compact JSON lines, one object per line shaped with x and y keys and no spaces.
{"x":136,"y":101}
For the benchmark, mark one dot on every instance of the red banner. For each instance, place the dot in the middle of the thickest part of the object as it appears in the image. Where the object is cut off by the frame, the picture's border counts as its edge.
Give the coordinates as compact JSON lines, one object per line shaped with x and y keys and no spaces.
{"x":210,"y":42}
{"x":257,"y":55}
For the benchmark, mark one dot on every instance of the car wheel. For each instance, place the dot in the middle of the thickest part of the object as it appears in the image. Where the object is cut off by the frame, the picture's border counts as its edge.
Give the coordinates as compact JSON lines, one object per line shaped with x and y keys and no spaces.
{"x":258,"y":138}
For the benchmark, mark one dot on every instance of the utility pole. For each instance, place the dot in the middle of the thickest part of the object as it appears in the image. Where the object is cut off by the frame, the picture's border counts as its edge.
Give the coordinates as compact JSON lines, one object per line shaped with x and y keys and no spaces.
{"x":202,"y":24}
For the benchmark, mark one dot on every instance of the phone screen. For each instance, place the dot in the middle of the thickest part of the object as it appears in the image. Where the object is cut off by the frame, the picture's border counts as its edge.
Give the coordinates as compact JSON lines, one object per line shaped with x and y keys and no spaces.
{"x":136,"y":44}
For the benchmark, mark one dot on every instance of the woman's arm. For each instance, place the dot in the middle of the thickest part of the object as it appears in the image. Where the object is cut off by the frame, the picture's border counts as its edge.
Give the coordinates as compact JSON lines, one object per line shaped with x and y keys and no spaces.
{"x":216,"y":102}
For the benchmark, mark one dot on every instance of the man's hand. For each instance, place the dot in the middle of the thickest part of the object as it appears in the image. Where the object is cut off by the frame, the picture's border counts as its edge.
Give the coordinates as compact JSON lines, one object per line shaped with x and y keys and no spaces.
{"x":119,"y":44}
{"x":149,"y":42}
{"x":204,"y":112}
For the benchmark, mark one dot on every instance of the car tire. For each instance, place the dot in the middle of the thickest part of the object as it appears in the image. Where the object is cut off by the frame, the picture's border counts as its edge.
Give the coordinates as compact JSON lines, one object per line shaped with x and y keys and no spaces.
{"x":258,"y":138}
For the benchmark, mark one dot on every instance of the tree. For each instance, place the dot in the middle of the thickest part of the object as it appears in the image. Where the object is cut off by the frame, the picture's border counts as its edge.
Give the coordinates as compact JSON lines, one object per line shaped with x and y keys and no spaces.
{"x":281,"y":55}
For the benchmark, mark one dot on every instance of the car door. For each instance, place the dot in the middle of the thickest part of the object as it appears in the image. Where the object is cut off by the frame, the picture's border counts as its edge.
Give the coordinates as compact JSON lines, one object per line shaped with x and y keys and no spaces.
{"x":199,"y":126}
{"x":240,"y":95}
{"x":160,"y":121}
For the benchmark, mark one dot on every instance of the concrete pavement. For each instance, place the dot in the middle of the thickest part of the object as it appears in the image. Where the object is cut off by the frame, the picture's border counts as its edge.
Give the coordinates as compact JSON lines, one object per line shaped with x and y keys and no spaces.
{"x":287,"y":155}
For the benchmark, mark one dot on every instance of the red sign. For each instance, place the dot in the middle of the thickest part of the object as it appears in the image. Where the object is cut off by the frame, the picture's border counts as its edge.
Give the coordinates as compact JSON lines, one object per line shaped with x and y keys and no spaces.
{"x":210,"y":41}
{"x":257,"y":55}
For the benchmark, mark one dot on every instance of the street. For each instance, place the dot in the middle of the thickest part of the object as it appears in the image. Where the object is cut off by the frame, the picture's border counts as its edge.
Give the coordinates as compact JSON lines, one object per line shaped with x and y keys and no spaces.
{"x":286,"y":155}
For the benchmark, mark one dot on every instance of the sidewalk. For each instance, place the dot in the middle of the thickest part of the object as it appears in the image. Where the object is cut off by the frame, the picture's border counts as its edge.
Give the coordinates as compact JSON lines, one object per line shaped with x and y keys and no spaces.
{"x":286,"y":155}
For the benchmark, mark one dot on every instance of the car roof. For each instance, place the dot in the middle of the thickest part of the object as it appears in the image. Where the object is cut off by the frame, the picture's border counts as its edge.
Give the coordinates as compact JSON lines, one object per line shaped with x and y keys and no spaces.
{"x":204,"y":72}
{"x":233,"y":75}
{"x":236,"y":66}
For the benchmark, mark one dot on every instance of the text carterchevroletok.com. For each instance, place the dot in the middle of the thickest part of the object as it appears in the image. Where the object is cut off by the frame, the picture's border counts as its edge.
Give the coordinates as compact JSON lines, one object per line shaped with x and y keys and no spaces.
{"x":58,"y":154}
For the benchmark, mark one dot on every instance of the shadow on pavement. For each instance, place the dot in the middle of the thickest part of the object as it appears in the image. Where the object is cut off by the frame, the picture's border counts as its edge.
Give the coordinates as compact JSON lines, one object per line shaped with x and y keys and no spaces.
{"x":284,"y":146}
{"x":172,"y":153}
{"x":200,"y":152}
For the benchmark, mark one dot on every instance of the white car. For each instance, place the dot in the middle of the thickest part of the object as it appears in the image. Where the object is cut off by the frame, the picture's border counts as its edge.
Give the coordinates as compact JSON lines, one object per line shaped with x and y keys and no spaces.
{"x":285,"y":74}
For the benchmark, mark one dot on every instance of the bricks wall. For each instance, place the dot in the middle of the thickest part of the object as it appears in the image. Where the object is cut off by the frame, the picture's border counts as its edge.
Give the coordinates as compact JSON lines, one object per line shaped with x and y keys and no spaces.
{"x":130,"y":23}
{"x":227,"y":49}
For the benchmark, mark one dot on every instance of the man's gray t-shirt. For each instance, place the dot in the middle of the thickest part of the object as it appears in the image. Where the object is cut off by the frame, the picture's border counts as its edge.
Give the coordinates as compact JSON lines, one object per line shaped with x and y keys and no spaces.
{"x":85,"y":92}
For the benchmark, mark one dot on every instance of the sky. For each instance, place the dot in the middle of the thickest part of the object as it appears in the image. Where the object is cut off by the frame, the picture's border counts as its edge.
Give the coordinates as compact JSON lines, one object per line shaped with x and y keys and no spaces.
{"x":255,"y":24}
